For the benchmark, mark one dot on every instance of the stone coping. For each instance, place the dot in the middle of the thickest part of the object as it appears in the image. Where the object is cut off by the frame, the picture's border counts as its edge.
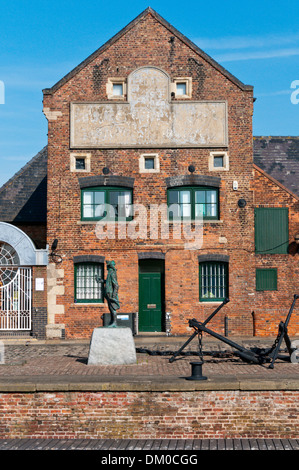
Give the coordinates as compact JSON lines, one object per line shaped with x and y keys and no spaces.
{"x":150,"y":384}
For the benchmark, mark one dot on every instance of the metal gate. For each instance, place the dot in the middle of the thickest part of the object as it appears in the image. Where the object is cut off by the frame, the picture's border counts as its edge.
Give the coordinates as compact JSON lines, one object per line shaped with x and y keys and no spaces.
{"x":15,"y":298}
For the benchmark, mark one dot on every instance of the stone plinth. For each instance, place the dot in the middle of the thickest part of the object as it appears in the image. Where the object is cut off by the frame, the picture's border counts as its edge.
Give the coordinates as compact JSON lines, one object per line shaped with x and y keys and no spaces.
{"x":112,"y":346}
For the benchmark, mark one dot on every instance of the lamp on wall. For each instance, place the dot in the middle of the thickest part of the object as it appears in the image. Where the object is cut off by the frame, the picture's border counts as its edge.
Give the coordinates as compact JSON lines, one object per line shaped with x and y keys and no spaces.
{"x":54,"y":256}
{"x":297,"y":238}
{"x":191,"y":168}
{"x":106,"y":171}
{"x":54,"y":245}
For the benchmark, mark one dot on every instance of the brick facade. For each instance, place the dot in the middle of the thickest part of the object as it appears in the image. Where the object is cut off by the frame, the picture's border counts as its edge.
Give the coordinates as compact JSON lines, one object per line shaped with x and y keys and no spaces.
{"x":271,"y":307}
{"x":151,"y":42}
{"x":150,"y":415}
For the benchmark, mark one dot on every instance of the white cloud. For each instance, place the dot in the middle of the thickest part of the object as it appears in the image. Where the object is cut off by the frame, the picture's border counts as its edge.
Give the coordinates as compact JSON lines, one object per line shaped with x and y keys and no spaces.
{"x":33,"y":77}
{"x":274,"y":93}
{"x":254,"y":55}
{"x":243,"y":42}
{"x":238,"y":48}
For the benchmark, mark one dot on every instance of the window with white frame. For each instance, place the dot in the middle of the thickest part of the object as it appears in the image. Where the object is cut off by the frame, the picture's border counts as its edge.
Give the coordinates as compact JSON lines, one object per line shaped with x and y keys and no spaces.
{"x":80,"y":162}
{"x":182,"y":87}
{"x":193,"y":203}
{"x":116,"y":88}
{"x":149,"y":163}
{"x":218,"y":161}
{"x":111,"y":203}
{"x":213,"y":281}
{"x":89,"y":282}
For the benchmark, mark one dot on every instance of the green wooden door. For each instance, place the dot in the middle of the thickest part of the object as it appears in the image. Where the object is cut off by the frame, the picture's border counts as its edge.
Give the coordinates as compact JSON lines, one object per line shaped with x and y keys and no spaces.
{"x":150,"y":302}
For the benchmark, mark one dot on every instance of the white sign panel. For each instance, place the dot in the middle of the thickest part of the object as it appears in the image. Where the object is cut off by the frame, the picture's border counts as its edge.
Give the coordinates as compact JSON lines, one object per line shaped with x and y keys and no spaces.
{"x":149,"y":119}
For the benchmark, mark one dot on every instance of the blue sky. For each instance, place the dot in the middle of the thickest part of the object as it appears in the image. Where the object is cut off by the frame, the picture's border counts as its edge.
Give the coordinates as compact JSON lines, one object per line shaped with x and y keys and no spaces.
{"x":41,"y":41}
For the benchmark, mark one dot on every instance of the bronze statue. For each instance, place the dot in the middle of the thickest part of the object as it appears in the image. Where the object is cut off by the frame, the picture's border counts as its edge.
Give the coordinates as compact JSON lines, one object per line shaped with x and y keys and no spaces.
{"x":111,"y":292}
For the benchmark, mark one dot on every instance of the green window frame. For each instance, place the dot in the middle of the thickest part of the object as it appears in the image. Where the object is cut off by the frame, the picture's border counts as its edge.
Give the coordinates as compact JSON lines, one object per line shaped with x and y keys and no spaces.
{"x":266,"y":279}
{"x":213,"y":281}
{"x":111,"y":203}
{"x":189,"y":202}
{"x":88,"y":289}
{"x":271,"y":230}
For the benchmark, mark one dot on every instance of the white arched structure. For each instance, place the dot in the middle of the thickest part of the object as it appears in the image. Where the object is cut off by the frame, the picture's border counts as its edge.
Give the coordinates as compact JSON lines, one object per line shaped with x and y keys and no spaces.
{"x":18,"y":256}
{"x":27,"y":253}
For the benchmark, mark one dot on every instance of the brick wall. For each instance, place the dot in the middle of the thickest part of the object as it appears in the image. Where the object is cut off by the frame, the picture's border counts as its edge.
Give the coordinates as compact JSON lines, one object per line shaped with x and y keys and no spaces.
{"x":151,"y":415}
{"x":39,"y":304}
{"x":37,"y":233}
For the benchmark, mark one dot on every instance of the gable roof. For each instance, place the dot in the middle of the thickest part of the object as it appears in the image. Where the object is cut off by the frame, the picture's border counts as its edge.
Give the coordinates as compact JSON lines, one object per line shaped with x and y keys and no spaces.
{"x":23,"y":198}
{"x":174,"y":31}
{"x":279,"y":158}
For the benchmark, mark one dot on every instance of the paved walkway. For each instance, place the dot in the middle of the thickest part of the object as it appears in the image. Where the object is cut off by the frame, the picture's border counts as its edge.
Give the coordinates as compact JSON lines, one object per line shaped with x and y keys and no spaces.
{"x":41,"y":364}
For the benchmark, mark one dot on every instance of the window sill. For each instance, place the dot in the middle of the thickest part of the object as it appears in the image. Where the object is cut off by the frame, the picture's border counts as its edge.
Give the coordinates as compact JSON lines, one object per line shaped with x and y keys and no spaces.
{"x":193,"y":221}
{"x":170,"y":222}
{"x":90,"y":222}
{"x":92,"y":304}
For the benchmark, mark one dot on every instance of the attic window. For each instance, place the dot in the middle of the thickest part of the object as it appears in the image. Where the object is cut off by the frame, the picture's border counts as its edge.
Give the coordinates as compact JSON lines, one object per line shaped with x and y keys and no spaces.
{"x":149,"y":163}
{"x":80,"y":162}
{"x":218,"y":161}
{"x":182,"y":87}
{"x":116,"y":88}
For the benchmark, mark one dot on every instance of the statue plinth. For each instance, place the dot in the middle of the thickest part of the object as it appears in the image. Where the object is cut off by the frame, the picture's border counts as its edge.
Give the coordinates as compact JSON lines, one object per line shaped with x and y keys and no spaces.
{"x":112,"y":346}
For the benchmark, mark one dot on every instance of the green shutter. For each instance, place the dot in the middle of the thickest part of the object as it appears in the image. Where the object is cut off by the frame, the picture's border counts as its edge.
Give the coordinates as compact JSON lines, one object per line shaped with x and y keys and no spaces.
{"x":266,"y":279}
{"x":271,"y":230}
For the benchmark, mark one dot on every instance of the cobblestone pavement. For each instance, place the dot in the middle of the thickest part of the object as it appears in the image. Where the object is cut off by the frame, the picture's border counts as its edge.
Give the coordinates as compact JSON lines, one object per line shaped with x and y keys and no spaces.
{"x":70,"y":359}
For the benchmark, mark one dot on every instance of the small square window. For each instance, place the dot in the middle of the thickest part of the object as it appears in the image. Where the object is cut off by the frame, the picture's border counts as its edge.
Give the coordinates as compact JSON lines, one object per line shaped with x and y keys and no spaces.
{"x":219,"y":162}
{"x":149,"y":163}
{"x":181,"y":89}
{"x":117,"y":89}
{"x":80,"y":164}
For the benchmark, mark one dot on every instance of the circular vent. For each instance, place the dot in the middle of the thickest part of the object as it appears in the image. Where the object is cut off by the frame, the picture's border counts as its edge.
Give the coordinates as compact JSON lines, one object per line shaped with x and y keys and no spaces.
{"x":9,"y":263}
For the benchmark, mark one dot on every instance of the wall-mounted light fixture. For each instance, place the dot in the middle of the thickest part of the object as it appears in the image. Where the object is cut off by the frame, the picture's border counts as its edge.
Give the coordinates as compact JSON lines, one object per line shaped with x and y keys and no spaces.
{"x":191,"y":168}
{"x":54,"y":245}
{"x":297,"y":238}
{"x":54,"y":256}
{"x":106,"y":171}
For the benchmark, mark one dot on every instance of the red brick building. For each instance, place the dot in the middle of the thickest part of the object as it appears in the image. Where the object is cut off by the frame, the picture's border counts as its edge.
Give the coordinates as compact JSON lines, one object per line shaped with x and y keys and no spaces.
{"x":153,"y":131}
